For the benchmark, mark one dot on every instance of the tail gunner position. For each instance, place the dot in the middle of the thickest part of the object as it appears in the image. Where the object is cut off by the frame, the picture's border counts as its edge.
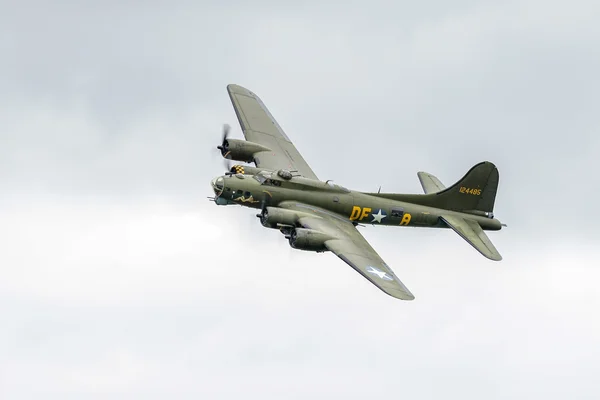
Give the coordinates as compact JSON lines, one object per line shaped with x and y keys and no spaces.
{"x":322,"y":216}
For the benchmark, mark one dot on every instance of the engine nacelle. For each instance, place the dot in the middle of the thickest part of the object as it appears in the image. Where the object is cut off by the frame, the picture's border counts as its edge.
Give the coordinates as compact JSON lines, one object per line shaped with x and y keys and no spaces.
{"x":241,"y":150}
{"x":308,"y":239}
{"x":274,"y":217}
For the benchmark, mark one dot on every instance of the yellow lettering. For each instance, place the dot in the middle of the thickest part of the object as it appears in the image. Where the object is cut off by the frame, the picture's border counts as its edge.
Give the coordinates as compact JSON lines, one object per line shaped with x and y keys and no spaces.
{"x":473,"y":191}
{"x":405,"y":219}
{"x":365,"y":213}
{"x":355,"y":213}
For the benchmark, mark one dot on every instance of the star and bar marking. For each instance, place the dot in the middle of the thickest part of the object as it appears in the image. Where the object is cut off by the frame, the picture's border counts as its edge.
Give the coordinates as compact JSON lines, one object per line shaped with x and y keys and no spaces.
{"x":379,"y":216}
{"x":381,"y":274}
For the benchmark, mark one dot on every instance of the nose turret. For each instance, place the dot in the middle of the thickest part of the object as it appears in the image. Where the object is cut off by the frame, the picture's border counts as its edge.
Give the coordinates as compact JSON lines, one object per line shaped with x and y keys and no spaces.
{"x":217,"y":185}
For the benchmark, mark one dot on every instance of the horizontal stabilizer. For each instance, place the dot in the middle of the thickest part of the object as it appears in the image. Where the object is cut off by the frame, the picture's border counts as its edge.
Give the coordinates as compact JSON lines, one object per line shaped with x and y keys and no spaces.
{"x":472,"y":233}
{"x":430,"y":183}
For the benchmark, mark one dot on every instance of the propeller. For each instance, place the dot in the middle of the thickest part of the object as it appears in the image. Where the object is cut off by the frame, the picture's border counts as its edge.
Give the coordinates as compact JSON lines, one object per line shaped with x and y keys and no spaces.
{"x":224,"y":147}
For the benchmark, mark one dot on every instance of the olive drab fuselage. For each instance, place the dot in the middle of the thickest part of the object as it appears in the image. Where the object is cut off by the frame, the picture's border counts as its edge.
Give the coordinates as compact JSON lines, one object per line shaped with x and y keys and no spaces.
{"x":321,"y":216}
{"x":269,"y":189}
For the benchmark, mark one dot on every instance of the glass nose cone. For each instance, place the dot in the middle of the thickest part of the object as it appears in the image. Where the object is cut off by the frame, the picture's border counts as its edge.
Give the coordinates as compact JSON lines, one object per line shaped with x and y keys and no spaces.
{"x":217,"y":185}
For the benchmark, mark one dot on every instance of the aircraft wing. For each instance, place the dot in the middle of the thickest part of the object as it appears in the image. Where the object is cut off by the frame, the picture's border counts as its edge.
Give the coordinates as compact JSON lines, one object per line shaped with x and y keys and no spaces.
{"x":474,"y":235}
{"x":352,"y":248}
{"x":260,"y":127}
{"x":430,"y":183}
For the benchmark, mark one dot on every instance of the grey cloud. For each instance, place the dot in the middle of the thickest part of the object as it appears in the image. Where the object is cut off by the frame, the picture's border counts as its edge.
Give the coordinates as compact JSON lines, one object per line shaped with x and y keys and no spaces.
{"x":116,"y":300}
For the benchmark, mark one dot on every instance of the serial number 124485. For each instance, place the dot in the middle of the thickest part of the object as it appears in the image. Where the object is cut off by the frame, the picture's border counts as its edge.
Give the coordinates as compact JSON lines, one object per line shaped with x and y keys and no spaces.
{"x":472,"y":191}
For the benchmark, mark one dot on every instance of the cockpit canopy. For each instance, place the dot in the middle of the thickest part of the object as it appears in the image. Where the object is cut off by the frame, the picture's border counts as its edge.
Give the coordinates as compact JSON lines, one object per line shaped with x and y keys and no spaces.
{"x":266,"y":178}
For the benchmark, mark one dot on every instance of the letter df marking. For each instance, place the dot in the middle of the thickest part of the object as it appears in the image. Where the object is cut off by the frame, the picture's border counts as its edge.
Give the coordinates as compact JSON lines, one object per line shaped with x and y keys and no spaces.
{"x":359,"y":213}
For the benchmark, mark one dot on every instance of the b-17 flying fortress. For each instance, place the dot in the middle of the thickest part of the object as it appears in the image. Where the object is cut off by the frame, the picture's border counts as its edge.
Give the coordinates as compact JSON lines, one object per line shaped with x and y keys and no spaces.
{"x":322,"y":216}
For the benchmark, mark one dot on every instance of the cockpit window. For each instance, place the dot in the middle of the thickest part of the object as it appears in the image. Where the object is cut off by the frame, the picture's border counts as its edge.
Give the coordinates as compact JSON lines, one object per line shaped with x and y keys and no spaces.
{"x":219,"y":183}
{"x":265,"y":178}
{"x":260,"y":178}
{"x":272,"y":182}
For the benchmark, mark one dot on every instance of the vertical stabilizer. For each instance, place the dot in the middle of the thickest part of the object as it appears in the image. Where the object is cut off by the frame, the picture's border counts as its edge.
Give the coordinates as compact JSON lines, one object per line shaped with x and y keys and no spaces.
{"x":476,"y":191}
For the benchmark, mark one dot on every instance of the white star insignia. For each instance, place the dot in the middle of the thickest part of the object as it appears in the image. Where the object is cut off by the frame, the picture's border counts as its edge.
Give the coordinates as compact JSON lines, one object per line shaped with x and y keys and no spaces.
{"x":381,"y":274}
{"x":379,"y":216}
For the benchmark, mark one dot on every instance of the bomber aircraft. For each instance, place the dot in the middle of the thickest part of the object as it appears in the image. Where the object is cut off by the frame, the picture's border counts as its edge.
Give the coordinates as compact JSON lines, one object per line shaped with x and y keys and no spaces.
{"x":322,"y":216}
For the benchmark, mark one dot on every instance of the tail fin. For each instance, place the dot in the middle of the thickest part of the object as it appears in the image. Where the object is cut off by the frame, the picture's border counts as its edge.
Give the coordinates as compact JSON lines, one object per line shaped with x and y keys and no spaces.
{"x":476,"y":191}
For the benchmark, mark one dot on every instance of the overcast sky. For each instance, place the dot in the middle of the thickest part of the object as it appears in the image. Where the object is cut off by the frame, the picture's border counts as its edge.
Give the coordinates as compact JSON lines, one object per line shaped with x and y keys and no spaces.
{"x":118,"y":279}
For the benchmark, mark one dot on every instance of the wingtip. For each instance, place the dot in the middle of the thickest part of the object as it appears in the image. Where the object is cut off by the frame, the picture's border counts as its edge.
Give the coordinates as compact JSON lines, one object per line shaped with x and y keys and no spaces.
{"x":401,"y":294}
{"x":234,"y":88}
{"x":495,"y":256}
